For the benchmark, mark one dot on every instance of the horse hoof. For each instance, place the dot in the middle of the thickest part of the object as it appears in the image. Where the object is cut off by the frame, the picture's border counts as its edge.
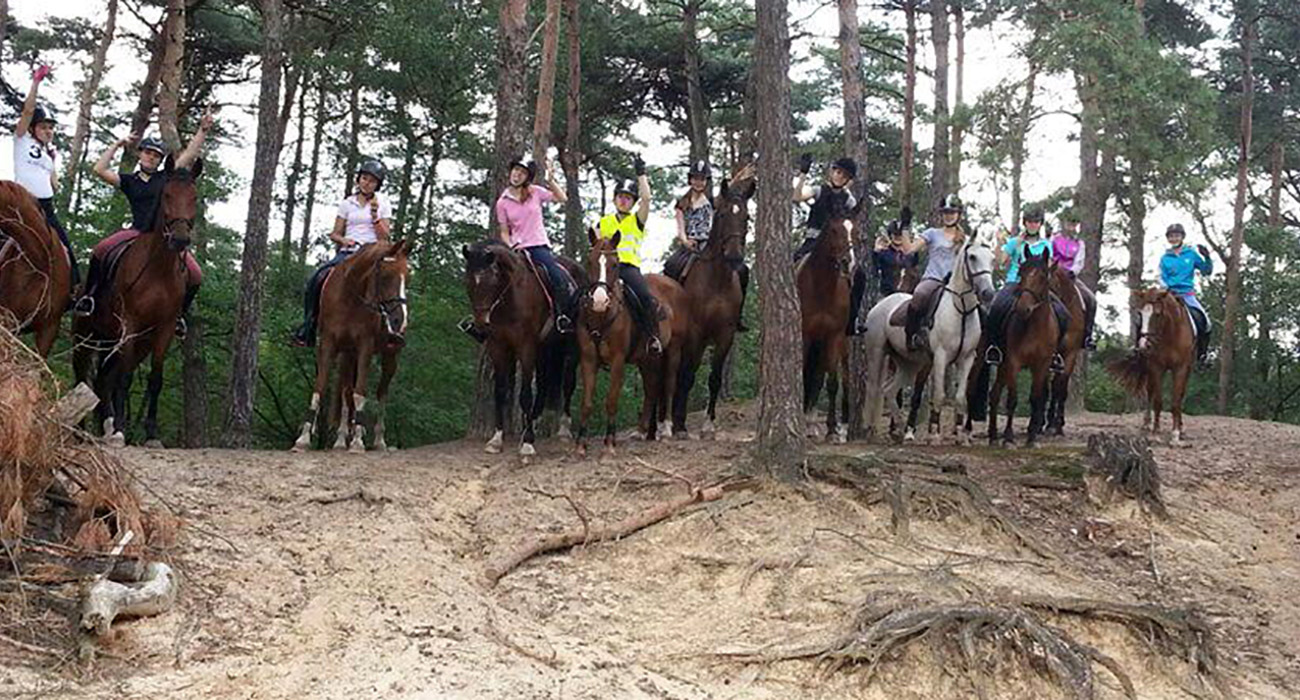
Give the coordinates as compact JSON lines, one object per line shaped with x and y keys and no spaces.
{"x":492,"y":449}
{"x":909,"y":436}
{"x":340,"y":445}
{"x":681,"y":436}
{"x":839,"y":438}
{"x":527,"y":450}
{"x":665,"y":430}
{"x":154,"y":444}
{"x":381,"y":446}
{"x":563,"y":432}
{"x":116,"y":440}
{"x":357,"y":448}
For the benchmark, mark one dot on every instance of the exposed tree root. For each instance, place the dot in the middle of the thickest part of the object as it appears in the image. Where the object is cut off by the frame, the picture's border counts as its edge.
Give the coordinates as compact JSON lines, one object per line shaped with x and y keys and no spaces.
{"x":888,"y":624}
{"x":937,"y":488}
{"x":1124,"y":464}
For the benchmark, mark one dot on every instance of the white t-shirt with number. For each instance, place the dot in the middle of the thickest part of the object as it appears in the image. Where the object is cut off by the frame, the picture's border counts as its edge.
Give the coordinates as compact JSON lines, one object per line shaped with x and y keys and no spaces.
{"x":359,"y":225}
{"x":34,"y":166}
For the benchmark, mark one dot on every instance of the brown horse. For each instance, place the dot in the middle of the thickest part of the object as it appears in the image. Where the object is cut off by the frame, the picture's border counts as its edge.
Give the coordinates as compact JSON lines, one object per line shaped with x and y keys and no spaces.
{"x":1031,"y":339}
{"x":1166,"y":343}
{"x":714,"y":294}
{"x":607,"y":335}
{"x":823,"y":280}
{"x":362,"y":311}
{"x":35,"y":275}
{"x":513,"y":311}
{"x":137,"y":314}
{"x":1071,"y":349}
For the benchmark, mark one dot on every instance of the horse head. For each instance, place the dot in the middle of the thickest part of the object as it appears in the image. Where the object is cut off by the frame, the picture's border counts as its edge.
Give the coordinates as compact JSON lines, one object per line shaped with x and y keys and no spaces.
{"x":976,"y":260}
{"x":488,"y":266}
{"x":836,"y":239}
{"x":602,"y":269}
{"x":178,"y":207}
{"x":389,"y":292}
{"x":1154,"y":305}
{"x":1035,"y":282}
{"x":731,"y":220}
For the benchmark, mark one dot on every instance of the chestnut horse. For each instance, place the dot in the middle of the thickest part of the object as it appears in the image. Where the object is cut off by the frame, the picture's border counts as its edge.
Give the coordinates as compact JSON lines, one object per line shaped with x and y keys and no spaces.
{"x":823,"y":281}
{"x":137,"y":314}
{"x":1032,"y":336}
{"x":513,"y":311}
{"x":1064,"y":287}
{"x":713,"y":292}
{"x":35,"y":275}
{"x":362,"y":312}
{"x":1166,"y":343}
{"x":608,"y":335}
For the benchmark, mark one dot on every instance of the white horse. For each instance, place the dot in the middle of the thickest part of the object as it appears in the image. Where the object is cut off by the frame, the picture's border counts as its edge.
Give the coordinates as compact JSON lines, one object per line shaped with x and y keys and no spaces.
{"x":954,"y":336}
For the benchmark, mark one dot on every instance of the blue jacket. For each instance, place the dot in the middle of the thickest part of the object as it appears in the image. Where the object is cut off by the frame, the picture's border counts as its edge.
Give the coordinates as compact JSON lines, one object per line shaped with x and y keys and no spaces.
{"x":1017,"y":249}
{"x":1178,"y":269}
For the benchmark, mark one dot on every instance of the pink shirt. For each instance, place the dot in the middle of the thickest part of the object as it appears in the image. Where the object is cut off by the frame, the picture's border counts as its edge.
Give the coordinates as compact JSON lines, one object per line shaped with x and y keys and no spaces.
{"x":524,"y":219}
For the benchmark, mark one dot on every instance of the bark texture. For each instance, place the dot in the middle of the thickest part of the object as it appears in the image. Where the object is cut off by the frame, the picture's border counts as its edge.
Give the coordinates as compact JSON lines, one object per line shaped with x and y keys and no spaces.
{"x":855,"y":145}
{"x":546,"y":84}
{"x":942,"y":144}
{"x":1232,"y":299}
{"x":86,"y":101}
{"x":169,"y":88}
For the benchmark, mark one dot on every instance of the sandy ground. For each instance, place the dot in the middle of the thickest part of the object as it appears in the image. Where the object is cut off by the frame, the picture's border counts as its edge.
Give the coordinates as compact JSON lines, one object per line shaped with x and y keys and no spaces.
{"x":337,"y":576}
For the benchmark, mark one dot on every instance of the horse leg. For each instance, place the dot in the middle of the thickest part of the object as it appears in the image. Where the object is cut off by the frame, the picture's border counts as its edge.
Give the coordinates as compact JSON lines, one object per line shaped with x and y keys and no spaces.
{"x":652,"y":382}
{"x":324,"y":359}
{"x":1155,"y":385}
{"x":672,"y":365}
{"x":961,"y":415}
{"x":814,"y":376}
{"x":503,"y":362}
{"x":681,"y":398}
{"x":1176,"y":393}
{"x":106,"y":379}
{"x":938,"y":395}
{"x":616,"y":369}
{"x":1013,"y":398}
{"x":570,"y":381}
{"x":151,"y":395}
{"x":1038,"y":403}
{"x":589,"y":365}
{"x":343,"y":390}
{"x":832,"y":393}
{"x":527,"y":409}
{"x":388,"y":367}
{"x":918,"y":380}
{"x":358,"y":442}
{"x":717,"y":364}
{"x":45,"y":337}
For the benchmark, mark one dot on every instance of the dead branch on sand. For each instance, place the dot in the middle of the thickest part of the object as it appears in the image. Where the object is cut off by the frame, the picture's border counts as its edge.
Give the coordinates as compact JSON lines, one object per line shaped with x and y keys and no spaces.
{"x":1125,"y":465}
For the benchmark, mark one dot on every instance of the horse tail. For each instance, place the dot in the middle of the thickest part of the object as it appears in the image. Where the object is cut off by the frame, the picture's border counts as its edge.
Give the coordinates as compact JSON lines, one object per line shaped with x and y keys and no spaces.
{"x":550,"y":373}
{"x":1130,"y":370}
{"x":978,"y":392}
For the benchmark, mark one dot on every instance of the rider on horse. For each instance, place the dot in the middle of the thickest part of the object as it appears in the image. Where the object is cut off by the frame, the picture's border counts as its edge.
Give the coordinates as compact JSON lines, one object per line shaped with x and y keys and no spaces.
{"x":34,"y":160}
{"x":891,"y":254}
{"x":1012,"y":254}
{"x":1178,"y":268}
{"x":834,"y":195}
{"x":362,"y":219}
{"x":143,"y":189}
{"x":631,"y":227}
{"x":1068,"y":252}
{"x":695,"y":223}
{"x":941,"y":245}
{"x":519,"y":215}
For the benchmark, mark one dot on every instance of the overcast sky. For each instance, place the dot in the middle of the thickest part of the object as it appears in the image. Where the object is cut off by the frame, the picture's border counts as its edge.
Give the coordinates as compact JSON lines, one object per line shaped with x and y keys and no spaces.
{"x":1053,"y":147}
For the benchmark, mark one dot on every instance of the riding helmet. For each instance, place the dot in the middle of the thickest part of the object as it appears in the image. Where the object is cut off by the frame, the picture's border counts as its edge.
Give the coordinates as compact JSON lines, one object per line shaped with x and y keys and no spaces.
{"x":153,"y":143}
{"x":848,"y":165}
{"x":951,"y":203}
{"x":625,"y":187}
{"x":1033,"y":215}
{"x":901,"y":224}
{"x":375,"y":168}
{"x":43,"y":114}
{"x":700,"y":168}
{"x":1070,"y":215}
{"x":527,"y":166}
{"x":1175,"y":228}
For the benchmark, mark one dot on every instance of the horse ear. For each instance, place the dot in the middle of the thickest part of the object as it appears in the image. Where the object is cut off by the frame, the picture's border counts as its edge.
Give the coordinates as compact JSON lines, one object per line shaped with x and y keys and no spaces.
{"x":748,"y":188}
{"x":905,"y":217}
{"x":724,"y":188}
{"x":197,"y":169}
{"x":169,"y":163}
{"x":402,"y":247}
{"x":591,"y":236}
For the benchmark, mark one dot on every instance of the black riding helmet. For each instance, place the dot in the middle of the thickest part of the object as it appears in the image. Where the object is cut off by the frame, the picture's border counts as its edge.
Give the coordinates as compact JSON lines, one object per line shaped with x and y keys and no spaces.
{"x":1175,"y":229}
{"x":625,"y":187}
{"x":374,"y":168}
{"x":901,"y":224}
{"x":42,"y":114}
{"x":527,"y":166}
{"x":700,"y":168}
{"x":1033,"y":215}
{"x":951,"y":203}
{"x":153,"y":143}
{"x":848,"y":165}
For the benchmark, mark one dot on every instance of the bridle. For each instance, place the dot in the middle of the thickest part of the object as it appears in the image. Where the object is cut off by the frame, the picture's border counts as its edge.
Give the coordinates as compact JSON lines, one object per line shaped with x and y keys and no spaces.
{"x":616,"y":303}
{"x":385,"y":307}
{"x":970,"y":281}
{"x":468,"y":322}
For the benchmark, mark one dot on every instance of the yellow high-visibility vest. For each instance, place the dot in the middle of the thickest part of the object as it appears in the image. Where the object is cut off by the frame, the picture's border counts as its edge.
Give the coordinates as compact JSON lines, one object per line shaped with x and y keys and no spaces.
{"x":629,"y":244}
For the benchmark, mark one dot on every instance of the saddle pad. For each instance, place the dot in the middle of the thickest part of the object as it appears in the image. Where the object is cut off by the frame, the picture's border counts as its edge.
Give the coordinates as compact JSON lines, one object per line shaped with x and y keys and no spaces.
{"x":899,"y":317}
{"x":112,"y":259}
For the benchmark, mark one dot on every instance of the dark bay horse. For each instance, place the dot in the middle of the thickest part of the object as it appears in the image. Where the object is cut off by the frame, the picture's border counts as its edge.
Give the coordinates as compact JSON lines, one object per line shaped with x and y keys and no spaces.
{"x":35,"y":275}
{"x":1071,"y":349}
{"x":823,"y":280}
{"x":513,"y":310}
{"x":714,"y":294}
{"x":363,"y":311}
{"x":137,"y":314}
{"x":1166,"y":343}
{"x":1032,"y":336}
{"x":608,"y":336}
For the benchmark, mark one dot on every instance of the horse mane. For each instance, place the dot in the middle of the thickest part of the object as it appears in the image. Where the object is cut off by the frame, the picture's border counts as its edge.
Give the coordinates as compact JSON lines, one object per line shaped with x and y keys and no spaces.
{"x":361,"y":265}
{"x":22,"y":220}
{"x":483,"y":253}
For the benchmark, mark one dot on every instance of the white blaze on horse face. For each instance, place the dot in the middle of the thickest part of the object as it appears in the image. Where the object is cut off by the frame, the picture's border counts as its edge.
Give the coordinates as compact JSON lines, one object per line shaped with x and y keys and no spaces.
{"x":735,"y":208}
{"x":315,"y":402}
{"x":401,"y":294}
{"x":600,"y":297}
{"x":1147,"y":311}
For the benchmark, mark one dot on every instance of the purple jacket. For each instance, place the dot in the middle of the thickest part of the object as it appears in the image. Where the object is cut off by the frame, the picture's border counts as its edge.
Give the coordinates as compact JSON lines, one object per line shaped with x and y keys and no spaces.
{"x":1068,"y":253}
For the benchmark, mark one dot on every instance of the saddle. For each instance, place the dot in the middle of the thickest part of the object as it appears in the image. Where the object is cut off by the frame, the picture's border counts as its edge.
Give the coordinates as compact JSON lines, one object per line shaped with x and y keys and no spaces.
{"x":1200,"y":321}
{"x":112,"y":261}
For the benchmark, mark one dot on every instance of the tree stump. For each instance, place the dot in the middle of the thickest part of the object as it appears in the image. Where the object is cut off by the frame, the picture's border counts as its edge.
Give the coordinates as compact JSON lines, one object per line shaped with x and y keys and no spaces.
{"x":1124,"y":465}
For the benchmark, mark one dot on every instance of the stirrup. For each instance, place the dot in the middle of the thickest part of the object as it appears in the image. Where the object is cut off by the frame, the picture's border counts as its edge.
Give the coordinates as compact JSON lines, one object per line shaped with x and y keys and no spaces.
{"x":993,"y":355}
{"x":182,"y":328}
{"x":1090,"y":343}
{"x":466,"y":325}
{"x":563,"y":324}
{"x":85,"y":306}
{"x":918,"y":341}
{"x":1058,"y":364}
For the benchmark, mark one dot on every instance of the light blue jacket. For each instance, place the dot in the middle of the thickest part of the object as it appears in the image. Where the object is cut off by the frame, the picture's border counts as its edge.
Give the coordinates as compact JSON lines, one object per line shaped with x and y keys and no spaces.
{"x":1178,"y":269}
{"x":1017,"y":249}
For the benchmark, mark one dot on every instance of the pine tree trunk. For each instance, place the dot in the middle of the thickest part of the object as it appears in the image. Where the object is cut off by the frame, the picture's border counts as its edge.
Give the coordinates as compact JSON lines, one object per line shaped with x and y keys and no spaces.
{"x":958,"y":132}
{"x":855,"y":146}
{"x":313,"y":175}
{"x":169,"y":88}
{"x":697,"y":115}
{"x":507,"y":144}
{"x":295,"y":174}
{"x":1137,"y":234}
{"x":148,"y":91}
{"x":354,"y":134}
{"x":1232,"y":298}
{"x":939,"y":36}
{"x":1018,"y":150}
{"x":1091,"y":200}
{"x":404,"y":184}
{"x":779,"y":442}
{"x":77,"y":149}
{"x":909,"y":107}
{"x":573,"y":233}
{"x":4,"y":25}
{"x":1259,"y":409}
{"x":194,"y":365}
{"x":238,"y":431}
{"x":546,"y":85}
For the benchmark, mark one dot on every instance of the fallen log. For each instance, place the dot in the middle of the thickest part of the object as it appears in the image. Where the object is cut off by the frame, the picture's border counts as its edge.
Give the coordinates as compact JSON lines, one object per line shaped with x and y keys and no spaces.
{"x":590,"y":535}
{"x":153,"y":594}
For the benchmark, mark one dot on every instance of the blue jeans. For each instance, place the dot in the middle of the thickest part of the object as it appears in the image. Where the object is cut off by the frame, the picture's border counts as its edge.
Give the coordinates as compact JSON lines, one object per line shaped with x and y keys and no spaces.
{"x":561,"y":283}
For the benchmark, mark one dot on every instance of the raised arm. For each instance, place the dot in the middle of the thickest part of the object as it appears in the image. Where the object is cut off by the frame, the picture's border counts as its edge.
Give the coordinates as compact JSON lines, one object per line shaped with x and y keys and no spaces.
{"x":802,"y":192}
{"x":1205,"y":264}
{"x":557,"y":192}
{"x":104,"y":166}
{"x":642,"y":191}
{"x":29,"y":104}
{"x":195,"y":147}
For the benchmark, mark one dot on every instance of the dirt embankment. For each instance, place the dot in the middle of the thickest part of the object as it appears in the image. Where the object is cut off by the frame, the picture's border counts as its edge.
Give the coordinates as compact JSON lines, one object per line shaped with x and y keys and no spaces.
{"x":336,"y":576}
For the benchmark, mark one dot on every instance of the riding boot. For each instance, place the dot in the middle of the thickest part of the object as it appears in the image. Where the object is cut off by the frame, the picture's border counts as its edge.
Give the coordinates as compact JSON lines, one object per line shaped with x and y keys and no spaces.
{"x":85,"y":305}
{"x":912,"y":328}
{"x":305,"y":336}
{"x":742,"y":271}
{"x":1203,"y":348}
{"x":565,"y":299}
{"x":649,"y":319}
{"x":809,"y":242}
{"x":856,"y":325}
{"x":182,"y":325}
